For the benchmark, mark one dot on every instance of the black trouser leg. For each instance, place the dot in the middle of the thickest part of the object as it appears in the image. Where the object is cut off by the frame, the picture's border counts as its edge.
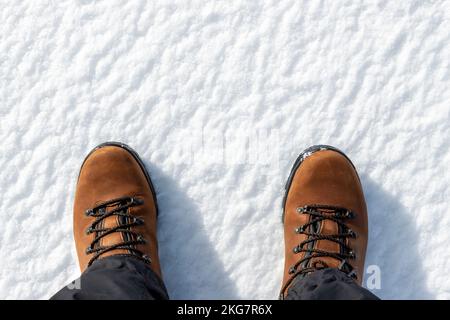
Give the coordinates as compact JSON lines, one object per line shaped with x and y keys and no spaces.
{"x":115,"y":278}
{"x":328,"y":284}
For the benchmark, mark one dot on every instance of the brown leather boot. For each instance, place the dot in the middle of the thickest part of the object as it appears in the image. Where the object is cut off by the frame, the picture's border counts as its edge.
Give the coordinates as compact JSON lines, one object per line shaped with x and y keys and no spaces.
{"x":115,"y":207}
{"x":324,"y":216}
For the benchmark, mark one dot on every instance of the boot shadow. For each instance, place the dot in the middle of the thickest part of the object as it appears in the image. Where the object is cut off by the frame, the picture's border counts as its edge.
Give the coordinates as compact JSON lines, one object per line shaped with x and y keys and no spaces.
{"x":393,"y":246}
{"x":191,"y":267}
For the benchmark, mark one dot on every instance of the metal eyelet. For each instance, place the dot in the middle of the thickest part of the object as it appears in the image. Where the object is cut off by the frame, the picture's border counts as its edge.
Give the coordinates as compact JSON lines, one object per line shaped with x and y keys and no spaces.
{"x":138,"y":221}
{"x":299,"y":230}
{"x":301,"y":210}
{"x":89,"y":212}
{"x":88,"y":250}
{"x":351,"y":233}
{"x":353,"y":275}
{"x":147,"y":258}
{"x":352,"y":255}
{"x":292,"y":270}
{"x":349,"y":214}
{"x":136,"y":201}
{"x":296,"y":250}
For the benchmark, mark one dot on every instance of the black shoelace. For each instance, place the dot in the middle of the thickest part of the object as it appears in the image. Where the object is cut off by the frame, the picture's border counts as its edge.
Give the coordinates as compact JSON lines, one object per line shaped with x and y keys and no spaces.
{"x":126,"y":221}
{"x":319,"y":213}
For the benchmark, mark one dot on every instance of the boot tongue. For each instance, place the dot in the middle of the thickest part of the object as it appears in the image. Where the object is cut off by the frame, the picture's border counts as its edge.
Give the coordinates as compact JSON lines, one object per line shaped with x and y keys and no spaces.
{"x":326,"y":227}
{"x":115,"y":237}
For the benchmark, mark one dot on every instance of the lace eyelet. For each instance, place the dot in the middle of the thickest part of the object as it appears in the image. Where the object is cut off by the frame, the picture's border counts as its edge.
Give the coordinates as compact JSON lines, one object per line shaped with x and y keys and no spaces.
{"x":351,"y":233}
{"x":138,"y":221}
{"x":299,"y":230}
{"x":89,"y":250}
{"x":141,"y":239}
{"x":136,"y":201}
{"x":292,"y":270}
{"x":349,"y":214}
{"x":89,"y":212}
{"x":296,"y":250}
{"x":301,"y":210}
{"x":146,"y":258}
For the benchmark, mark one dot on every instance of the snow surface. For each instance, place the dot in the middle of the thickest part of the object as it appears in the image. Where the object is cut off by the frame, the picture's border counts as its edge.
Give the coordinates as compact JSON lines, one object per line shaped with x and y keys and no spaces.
{"x":219,"y":98}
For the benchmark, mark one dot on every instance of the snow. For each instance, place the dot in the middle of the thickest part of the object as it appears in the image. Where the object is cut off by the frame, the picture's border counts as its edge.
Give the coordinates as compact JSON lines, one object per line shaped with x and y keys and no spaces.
{"x":219,"y":98}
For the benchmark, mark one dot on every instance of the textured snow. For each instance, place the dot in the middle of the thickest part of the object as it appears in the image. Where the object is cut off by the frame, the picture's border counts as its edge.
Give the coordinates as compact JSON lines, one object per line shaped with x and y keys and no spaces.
{"x":219,"y":98}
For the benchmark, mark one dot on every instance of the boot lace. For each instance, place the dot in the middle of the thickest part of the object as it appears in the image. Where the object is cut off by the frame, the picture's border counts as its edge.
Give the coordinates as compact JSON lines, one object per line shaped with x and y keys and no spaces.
{"x":125,"y":222}
{"x":319,"y":213}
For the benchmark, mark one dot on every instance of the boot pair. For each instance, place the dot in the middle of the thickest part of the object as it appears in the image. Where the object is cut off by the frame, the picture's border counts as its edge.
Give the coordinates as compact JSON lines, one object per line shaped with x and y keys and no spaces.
{"x":324,"y":212}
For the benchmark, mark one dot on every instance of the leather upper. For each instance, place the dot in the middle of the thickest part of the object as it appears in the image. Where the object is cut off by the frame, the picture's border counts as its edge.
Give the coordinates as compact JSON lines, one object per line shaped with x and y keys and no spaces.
{"x":325,"y":177}
{"x":112,"y":172}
